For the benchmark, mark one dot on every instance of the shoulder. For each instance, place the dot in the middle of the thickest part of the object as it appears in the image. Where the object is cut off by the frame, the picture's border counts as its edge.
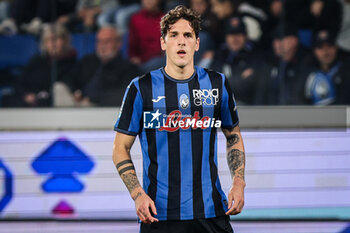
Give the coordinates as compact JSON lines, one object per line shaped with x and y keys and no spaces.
{"x":140,"y":81}
{"x":38,"y":58}
{"x":144,"y":78}
{"x":137,"y":16}
{"x":89,"y":58}
{"x":145,"y":81}
{"x":212,"y":73}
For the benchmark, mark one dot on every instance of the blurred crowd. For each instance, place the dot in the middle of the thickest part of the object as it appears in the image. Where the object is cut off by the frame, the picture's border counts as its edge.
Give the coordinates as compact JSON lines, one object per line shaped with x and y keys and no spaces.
{"x":273,"y":52}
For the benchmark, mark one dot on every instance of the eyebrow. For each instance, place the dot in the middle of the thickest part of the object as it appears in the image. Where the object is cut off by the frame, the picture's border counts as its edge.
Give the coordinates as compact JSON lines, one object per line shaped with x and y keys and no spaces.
{"x":176,"y":32}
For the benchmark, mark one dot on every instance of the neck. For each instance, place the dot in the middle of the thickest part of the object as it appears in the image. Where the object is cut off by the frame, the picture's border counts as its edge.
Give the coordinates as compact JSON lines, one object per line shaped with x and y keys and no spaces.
{"x":152,"y":10}
{"x":325,"y":67}
{"x":180,"y":73}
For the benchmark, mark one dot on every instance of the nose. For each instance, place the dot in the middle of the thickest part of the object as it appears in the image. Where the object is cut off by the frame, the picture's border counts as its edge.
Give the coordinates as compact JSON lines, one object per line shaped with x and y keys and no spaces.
{"x":181,"y":40}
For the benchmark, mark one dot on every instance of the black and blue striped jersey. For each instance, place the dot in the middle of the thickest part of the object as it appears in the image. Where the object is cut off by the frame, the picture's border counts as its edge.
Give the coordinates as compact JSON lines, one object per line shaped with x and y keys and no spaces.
{"x":177,"y":122}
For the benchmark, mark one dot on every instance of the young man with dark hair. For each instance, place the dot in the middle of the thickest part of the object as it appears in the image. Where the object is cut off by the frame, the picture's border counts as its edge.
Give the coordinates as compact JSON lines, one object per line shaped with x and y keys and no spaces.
{"x":176,"y":111}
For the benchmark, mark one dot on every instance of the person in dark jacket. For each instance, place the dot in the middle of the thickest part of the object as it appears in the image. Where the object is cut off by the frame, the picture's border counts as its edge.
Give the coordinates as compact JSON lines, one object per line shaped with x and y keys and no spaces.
{"x":236,"y":60}
{"x":101,"y":78}
{"x":281,"y":81}
{"x":56,"y":60}
{"x":327,"y":81}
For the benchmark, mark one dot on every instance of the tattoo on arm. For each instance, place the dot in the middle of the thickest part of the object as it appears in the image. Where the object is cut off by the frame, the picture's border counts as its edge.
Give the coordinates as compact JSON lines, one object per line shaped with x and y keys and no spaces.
{"x":236,"y":161}
{"x":130,"y":166}
{"x":240,"y":173}
{"x":131,"y":181}
{"x":128,"y":161}
{"x":123,"y":170}
{"x":136,"y":196}
{"x":232,"y":140}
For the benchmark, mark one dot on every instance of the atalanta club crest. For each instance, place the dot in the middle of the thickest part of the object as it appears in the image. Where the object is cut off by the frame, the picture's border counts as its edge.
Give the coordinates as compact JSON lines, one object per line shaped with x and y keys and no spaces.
{"x":184,"y":101}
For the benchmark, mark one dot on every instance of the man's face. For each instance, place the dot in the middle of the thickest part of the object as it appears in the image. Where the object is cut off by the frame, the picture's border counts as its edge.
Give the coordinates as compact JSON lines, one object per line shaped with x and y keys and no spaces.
{"x":286,"y":48}
{"x":150,"y":5}
{"x":180,"y":44}
{"x":220,"y":9}
{"x":200,"y":6}
{"x":236,"y":42}
{"x":326,"y":53}
{"x":107,"y":44}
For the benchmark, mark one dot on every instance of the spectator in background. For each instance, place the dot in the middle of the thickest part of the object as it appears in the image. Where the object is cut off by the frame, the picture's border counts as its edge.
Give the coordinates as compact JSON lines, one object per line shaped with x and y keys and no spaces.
{"x":7,"y":25}
{"x":254,"y":17}
{"x":274,"y":13}
{"x":100,"y":79}
{"x":209,"y":25}
{"x":4,"y":9}
{"x":30,"y":15}
{"x":56,"y":60}
{"x":223,"y":10}
{"x":208,"y":19}
{"x":120,"y":15}
{"x":343,"y":40}
{"x":85,"y":17}
{"x":236,"y":60}
{"x":328,"y":81}
{"x":320,"y":14}
{"x":144,"y":36}
{"x":280,"y":81}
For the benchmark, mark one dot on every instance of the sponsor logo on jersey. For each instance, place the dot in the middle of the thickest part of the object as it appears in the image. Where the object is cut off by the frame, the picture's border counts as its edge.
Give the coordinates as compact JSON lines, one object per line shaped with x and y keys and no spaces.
{"x":151,"y":120}
{"x":158,"y":99}
{"x":205,"y":97}
{"x":175,"y":121}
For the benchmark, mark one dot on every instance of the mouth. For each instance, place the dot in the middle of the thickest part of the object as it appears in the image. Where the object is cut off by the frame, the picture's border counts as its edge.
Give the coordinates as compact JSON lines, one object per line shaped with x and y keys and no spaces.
{"x":181,"y":53}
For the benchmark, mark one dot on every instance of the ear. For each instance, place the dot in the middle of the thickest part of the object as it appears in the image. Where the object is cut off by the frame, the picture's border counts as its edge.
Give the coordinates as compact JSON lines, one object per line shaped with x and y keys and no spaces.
{"x":162,"y":43}
{"x":197,"y":43}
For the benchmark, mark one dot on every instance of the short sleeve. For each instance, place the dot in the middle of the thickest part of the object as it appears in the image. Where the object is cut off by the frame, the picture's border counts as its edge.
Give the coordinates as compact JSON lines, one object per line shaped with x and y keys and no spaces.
{"x":131,"y":111}
{"x":229,"y":115}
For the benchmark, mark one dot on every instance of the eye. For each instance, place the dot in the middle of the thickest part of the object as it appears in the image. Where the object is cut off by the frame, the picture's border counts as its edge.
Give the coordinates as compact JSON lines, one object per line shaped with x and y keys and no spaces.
{"x":172,"y":35}
{"x":188,"y":35}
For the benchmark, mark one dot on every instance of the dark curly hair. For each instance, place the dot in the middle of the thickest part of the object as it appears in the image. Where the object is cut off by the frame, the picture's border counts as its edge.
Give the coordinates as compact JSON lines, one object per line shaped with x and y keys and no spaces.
{"x":180,"y":12}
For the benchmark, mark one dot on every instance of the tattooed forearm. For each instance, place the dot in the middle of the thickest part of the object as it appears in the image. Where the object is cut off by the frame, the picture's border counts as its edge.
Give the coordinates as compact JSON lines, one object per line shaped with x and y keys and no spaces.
{"x":136,"y":196}
{"x":131,"y":181}
{"x":232,"y":140}
{"x":125,"y":169}
{"x":236,"y":161}
{"x":240,"y":173}
{"x":126,"y":164}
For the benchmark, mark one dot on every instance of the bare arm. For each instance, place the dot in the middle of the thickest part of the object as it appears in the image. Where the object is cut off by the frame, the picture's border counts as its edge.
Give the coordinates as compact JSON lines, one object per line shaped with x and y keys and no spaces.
{"x":122,"y":161}
{"x":236,"y":163}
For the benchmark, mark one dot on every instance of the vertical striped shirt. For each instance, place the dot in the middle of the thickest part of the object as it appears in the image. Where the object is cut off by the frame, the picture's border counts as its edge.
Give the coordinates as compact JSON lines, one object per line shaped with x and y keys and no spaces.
{"x":177,"y":122}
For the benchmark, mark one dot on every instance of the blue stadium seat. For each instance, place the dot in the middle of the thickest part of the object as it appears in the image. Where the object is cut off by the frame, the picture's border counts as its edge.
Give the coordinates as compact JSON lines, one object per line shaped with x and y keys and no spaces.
{"x":125,"y":45}
{"x":17,"y":50}
{"x":84,"y":43}
{"x":305,"y":37}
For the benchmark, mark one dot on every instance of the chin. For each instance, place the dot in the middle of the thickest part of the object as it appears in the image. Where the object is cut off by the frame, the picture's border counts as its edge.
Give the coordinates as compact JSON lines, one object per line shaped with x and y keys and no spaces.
{"x":181,"y":64}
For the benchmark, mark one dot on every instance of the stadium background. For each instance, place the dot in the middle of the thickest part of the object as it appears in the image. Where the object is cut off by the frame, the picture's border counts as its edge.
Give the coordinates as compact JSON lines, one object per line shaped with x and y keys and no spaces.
{"x":56,"y":172}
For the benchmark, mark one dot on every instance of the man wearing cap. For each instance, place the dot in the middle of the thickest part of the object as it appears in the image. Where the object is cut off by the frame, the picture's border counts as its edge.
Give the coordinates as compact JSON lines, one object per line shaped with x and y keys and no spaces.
{"x":236,"y":60}
{"x":280,"y":80}
{"x":328,"y":80}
